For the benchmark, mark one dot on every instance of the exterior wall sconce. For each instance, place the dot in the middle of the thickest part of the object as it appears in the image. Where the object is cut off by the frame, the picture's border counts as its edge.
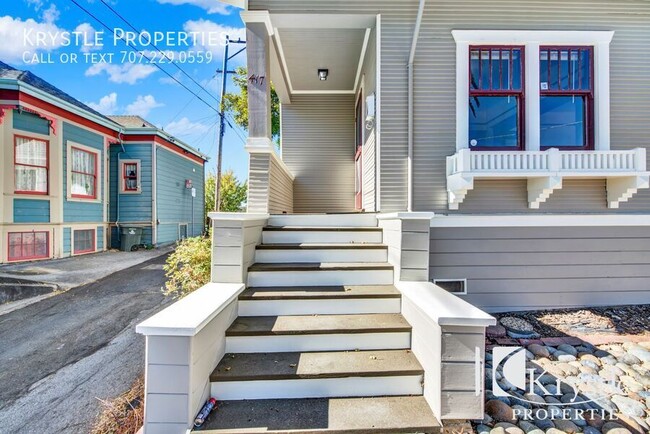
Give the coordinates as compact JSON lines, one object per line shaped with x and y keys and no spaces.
{"x":322,"y":74}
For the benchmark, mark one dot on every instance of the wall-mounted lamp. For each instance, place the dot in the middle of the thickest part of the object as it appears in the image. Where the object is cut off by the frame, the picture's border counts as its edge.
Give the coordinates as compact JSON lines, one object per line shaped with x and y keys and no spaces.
{"x":322,"y":74}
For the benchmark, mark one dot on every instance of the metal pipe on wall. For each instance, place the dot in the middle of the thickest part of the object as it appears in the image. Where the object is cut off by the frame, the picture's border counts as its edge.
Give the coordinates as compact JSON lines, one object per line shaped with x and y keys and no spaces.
{"x":409,"y":68}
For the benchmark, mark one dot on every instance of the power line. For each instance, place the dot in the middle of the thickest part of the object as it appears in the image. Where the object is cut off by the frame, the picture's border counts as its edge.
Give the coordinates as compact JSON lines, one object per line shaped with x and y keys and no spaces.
{"x":139,"y":32}
{"x":146,"y":57}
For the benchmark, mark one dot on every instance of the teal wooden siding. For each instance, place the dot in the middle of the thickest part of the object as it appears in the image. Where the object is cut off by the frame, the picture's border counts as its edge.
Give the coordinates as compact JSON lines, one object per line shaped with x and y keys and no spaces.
{"x":67,"y":234}
{"x":174,"y":201}
{"x":133,"y":207}
{"x":31,"y":211}
{"x":74,"y":211}
{"x":100,"y":238}
{"x":31,"y":123}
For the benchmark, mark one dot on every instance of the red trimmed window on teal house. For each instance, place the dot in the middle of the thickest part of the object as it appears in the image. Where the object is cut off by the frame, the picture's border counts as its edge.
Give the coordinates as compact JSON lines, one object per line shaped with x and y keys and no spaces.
{"x":83,"y":241}
{"x":26,"y":246}
{"x":83,"y":174}
{"x":130,"y":176}
{"x":31,"y":165}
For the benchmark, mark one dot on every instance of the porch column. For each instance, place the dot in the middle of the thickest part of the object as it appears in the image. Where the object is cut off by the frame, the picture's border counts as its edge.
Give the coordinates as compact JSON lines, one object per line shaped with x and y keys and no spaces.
{"x":259,"y":144}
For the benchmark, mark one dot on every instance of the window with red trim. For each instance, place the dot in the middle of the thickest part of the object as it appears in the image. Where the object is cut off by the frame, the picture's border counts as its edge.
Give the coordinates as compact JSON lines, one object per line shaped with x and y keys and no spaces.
{"x":566,"y":97}
{"x":83,"y":168}
{"x":496,"y":97}
{"x":130,"y":173}
{"x":30,"y":165}
{"x":84,"y":241}
{"x":23,"y":246}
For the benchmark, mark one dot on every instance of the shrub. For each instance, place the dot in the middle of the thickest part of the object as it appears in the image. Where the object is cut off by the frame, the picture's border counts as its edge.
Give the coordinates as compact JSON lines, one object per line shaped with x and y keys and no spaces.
{"x":188,"y":267}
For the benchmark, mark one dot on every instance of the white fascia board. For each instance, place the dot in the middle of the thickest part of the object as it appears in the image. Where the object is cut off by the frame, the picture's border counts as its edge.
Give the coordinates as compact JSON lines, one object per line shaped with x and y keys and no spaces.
{"x":542,"y":220}
{"x":191,"y":314}
{"x":522,"y":37}
{"x":406,"y":216}
{"x":263,"y":17}
{"x":323,"y":21}
{"x":241,"y":4}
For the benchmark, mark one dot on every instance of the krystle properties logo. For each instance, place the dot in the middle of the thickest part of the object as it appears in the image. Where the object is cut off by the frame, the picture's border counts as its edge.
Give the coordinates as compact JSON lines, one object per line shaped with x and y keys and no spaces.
{"x":509,"y":364}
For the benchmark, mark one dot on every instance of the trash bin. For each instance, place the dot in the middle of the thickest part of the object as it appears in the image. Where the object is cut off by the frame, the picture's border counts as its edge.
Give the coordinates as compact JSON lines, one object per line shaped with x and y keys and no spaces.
{"x":130,"y":239}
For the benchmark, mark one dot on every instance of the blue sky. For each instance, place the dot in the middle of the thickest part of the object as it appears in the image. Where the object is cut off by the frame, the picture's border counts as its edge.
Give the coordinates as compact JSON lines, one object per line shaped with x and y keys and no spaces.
{"x":64,"y":45}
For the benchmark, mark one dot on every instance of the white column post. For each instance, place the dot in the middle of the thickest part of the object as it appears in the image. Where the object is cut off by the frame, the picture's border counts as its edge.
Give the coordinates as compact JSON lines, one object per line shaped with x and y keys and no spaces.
{"x":532,"y":97}
{"x":601,"y":90}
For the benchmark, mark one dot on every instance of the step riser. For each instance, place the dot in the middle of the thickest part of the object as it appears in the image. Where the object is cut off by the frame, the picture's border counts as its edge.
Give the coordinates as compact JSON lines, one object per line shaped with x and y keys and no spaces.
{"x":324,"y":255}
{"x":320,"y":278}
{"x":318,"y":307}
{"x":352,"y":220}
{"x":317,"y":388}
{"x":325,"y":342}
{"x":321,"y":237}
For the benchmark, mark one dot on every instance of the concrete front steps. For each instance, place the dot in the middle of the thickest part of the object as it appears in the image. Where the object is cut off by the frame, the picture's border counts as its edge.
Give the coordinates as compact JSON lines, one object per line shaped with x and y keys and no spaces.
{"x":320,"y":344}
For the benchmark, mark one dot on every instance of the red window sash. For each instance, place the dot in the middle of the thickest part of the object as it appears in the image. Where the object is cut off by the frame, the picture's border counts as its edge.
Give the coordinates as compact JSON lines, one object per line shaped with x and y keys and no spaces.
{"x":94,"y":175}
{"x":520,"y":94}
{"x":92,"y":240}
{"x":587,"y":94}
{"x":126,"y":177}
{"x":46,"y":167}
{"x":22,"y":246}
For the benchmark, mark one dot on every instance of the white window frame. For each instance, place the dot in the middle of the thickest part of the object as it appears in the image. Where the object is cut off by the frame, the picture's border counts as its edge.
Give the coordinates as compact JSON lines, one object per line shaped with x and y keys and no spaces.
{"x":532,"y":40}
{"x":98,"y":176}
{"x":138,"y":173}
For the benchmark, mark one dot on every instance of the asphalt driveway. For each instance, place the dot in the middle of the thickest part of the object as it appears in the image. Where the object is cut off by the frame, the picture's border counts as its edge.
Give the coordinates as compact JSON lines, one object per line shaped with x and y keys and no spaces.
{"x":58,"y":356}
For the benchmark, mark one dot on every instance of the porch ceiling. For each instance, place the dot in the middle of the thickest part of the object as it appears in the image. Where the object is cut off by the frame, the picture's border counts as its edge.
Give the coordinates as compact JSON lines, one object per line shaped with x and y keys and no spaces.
{"x":304,"y":51}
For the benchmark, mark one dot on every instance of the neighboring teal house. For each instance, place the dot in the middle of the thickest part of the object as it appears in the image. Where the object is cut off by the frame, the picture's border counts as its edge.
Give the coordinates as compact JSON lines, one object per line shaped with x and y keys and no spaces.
{"x":71,"y":176}
{"x":156,"y":183}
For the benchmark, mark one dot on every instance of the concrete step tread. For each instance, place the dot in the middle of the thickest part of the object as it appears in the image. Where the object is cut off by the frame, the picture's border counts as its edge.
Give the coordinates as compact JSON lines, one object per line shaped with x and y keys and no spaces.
{"x":320,"y":292}
{"x":320,"y":266}
{"x":394,"y":414}
{"x":324,"y":228}
{"x":316,"y":246}
{"x":318,"y":324}
{"x":333,"y":364}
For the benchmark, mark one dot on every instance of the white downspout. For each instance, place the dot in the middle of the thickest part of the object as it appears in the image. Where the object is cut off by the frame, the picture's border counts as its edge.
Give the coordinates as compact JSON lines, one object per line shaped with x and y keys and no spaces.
{"x":409,"y":68}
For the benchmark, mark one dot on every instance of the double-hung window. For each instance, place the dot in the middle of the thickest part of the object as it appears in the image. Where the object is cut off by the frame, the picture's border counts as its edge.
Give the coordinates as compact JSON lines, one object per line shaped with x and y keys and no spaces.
{"x":566,"y":97}
{"x":496,"y":97}
{"x":30,"y":165}
{"x":83,"y":172}
{"x":130,"y":176}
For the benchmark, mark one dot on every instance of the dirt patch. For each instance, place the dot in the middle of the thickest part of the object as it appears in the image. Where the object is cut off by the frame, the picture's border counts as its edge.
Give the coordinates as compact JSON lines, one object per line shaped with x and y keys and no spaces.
{"x":618,"y":320}
{"x":124,"y":414}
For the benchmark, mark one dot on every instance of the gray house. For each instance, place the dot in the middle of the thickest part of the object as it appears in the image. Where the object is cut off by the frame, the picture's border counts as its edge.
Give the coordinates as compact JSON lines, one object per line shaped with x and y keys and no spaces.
{"x":440,"y":159}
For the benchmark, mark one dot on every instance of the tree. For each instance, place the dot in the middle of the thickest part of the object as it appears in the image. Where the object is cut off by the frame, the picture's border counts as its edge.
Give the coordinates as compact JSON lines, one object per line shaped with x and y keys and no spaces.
{"x":233,"y":192}
{"x":237,"y":103}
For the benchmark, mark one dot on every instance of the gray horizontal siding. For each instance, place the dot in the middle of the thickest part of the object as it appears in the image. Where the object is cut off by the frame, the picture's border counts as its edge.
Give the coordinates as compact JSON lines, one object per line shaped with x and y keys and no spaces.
{"x":318,"y":148}
{"x":545,"y":267}
{"x":280,"y":189}
{"x":435,"y":91}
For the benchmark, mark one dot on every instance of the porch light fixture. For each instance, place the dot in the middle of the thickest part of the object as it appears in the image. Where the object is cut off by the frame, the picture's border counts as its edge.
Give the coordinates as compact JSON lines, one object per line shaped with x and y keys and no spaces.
{"x":322,"y":74}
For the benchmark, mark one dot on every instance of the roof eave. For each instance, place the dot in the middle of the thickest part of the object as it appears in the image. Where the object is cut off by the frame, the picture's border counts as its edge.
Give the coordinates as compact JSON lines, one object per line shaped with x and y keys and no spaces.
{"x":242,"y":4}
{"x":164,"y":135}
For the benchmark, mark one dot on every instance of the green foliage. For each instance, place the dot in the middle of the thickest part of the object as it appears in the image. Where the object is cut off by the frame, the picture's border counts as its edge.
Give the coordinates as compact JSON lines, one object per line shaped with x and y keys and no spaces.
{"x":188,"y":267}
{"x":233,"y":192}
{"x":237,"y":103}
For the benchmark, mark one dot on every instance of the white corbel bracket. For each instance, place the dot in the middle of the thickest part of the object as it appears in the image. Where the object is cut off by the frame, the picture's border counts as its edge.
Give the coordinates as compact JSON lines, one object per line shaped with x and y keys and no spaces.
{"x":457,"y":187}
{"x":540,"y":189}
{"x":621,"y":189}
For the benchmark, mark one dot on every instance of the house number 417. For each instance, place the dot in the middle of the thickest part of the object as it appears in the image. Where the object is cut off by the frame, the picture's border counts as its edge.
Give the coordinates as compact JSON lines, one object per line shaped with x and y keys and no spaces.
{"x":256,"y":79}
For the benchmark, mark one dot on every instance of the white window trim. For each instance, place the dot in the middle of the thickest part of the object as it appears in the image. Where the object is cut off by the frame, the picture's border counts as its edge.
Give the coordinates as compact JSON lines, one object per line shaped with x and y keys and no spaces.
{"x":531,"y":40}
{"x":98,"y":178}
{"x":121,"y":176}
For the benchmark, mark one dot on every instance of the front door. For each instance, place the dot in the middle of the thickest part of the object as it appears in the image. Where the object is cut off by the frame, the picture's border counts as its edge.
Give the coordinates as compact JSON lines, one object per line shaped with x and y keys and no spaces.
{"x":358,"y":147}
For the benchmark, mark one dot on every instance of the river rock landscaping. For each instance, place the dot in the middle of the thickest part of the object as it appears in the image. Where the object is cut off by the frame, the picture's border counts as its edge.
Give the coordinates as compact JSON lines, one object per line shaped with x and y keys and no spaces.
{"x":592,"y":367}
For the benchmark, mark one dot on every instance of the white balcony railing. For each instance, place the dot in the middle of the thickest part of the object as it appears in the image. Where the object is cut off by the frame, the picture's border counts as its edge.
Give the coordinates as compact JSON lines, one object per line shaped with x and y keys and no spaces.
{"x":624,"y":170}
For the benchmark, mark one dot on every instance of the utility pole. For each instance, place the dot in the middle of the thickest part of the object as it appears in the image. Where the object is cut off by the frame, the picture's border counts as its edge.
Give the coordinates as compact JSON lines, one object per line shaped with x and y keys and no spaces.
{"x":222,"y":117}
